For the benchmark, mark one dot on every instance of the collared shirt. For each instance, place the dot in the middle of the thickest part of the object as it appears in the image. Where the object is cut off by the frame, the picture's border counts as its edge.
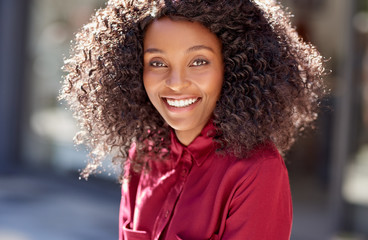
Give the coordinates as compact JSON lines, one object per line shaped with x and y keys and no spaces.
{"x":199,"y":194}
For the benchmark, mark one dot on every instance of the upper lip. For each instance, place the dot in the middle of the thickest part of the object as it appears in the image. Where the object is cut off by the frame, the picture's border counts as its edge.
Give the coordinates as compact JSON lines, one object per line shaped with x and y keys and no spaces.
{"x":179,"y":97}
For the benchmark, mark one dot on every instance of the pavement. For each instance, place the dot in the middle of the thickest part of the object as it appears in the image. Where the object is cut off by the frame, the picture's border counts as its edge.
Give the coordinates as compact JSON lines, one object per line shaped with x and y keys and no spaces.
{"x":44,"y":206}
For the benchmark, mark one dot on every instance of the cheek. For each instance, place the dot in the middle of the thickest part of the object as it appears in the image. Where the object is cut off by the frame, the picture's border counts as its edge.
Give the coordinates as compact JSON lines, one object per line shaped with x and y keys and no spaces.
{"x":151,"y":87}
{"x":217,"y":78}
{"x":147,"y":82}
{"x":214,"y":85}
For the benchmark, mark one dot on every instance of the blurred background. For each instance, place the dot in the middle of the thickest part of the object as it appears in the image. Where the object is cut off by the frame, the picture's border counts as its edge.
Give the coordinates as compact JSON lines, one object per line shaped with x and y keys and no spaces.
{"x":41,"y":195}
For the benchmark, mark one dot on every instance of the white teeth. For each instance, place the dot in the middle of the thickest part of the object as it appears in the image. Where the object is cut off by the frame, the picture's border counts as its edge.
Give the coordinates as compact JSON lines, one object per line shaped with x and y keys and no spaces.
{"x":181,"y":103}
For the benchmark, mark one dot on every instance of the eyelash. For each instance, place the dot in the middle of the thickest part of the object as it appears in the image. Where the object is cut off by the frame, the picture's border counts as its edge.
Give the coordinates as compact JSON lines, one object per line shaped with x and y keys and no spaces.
{"x":199,"y":62}
{"x":196,"y":63}
{"x":157,"y":64}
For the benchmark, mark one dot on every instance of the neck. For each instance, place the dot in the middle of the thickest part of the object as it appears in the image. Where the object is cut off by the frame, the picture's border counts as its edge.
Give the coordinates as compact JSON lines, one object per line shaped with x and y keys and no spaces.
{"x":185,"y":137}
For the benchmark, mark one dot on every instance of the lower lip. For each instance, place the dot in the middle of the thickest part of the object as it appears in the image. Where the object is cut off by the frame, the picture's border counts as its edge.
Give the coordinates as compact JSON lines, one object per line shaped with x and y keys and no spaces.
{"x":181,"y":109}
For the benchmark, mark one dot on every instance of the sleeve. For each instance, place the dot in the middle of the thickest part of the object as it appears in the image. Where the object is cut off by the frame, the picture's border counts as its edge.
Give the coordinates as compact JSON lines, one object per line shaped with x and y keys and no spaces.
{"x":124,"y":213}
{"x":261,"y":207}
{"x":128,"y":195}
{"x":127,"y":203}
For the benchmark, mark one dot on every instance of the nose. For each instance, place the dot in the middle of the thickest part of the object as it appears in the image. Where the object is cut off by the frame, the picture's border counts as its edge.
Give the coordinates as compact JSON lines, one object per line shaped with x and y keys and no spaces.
{"x":176,"y":80}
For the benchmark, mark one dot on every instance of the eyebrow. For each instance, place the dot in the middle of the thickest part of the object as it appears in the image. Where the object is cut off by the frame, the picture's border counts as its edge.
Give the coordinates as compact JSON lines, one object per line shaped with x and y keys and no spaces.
{"x":191,"y":49}
{"x":199,"y":47}
{"x":153,"y":50}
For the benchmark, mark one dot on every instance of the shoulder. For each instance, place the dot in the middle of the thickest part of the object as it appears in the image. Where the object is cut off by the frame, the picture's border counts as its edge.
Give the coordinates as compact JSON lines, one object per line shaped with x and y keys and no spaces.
{"x":262,"y":172}
{"x":263,"y":157}
{"x":264,"y":152}
{"x":260,"y":205}
{"x":266,"y":158}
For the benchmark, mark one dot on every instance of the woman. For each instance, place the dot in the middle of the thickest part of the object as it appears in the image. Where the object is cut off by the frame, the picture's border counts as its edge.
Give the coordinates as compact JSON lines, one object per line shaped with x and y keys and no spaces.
{"x":196,"y":100}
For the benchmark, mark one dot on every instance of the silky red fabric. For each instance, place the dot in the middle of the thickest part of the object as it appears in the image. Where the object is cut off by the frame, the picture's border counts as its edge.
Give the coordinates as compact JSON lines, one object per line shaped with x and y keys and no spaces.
{"x":198,"y":194}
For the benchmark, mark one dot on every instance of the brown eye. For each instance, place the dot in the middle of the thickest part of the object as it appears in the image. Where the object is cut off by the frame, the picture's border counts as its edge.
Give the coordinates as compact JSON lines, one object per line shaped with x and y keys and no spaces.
{"x":199,"y":62}
{"x":157,"y":64}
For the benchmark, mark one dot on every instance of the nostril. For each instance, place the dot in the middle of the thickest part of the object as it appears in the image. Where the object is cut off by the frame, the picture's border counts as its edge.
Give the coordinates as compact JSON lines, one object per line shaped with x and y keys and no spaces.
{"x":177,"y":84}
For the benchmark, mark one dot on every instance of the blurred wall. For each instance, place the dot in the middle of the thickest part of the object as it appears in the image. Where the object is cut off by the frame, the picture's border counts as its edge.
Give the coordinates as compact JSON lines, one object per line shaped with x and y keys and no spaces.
{"x":13,"y":19}
{"x":49,"y":128}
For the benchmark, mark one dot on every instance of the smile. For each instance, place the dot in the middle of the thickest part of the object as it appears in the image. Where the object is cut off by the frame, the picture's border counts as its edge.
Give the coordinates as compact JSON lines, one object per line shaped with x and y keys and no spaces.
{"x":181,"y":103}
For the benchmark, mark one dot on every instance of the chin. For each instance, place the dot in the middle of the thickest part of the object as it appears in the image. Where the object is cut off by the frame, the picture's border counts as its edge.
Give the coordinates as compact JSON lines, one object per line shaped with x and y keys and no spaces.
{"x":181,"y":125}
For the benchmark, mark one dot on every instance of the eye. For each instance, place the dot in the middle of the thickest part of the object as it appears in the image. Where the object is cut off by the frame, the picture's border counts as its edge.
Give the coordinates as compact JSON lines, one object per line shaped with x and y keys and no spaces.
{"x":199,"y":62}
{"x":157,"y":64}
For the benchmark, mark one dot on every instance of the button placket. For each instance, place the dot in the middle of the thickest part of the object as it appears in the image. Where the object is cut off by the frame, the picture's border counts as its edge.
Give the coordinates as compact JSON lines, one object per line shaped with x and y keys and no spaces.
{"x":186,"y":164}
{"x":183,"y":169}
{"x":167,"y":213}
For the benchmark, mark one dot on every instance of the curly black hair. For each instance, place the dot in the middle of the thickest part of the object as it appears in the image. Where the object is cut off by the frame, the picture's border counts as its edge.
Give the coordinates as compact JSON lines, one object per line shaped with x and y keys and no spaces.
{"x":271,"y":90}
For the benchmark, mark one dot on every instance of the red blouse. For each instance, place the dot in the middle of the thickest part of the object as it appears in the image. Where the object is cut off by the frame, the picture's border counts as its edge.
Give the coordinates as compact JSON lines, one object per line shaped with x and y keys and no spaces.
{"x":198,"y":194}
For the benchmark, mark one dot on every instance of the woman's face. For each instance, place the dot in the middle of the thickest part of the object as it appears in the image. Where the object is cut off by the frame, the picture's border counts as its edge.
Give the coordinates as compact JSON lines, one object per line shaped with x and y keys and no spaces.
{"x":183,"y":74}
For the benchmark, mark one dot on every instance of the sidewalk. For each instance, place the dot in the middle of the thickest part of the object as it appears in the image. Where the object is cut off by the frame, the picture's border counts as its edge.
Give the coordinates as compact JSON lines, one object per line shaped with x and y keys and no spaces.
{"x":46,"y":207}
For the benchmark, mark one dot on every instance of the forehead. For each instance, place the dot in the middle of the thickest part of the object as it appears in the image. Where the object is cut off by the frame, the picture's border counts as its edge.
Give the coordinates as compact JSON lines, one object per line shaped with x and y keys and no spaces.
{"x":180,"y":34}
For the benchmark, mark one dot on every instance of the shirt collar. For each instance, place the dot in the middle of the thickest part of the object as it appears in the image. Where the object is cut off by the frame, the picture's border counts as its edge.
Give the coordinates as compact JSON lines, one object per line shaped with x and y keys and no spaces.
{"x":200,"y":148}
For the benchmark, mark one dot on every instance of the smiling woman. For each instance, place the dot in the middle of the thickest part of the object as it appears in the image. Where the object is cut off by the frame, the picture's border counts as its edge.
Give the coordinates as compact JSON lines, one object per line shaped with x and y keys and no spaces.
{"x":196,"y":99}
{"x":183,"y":74}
